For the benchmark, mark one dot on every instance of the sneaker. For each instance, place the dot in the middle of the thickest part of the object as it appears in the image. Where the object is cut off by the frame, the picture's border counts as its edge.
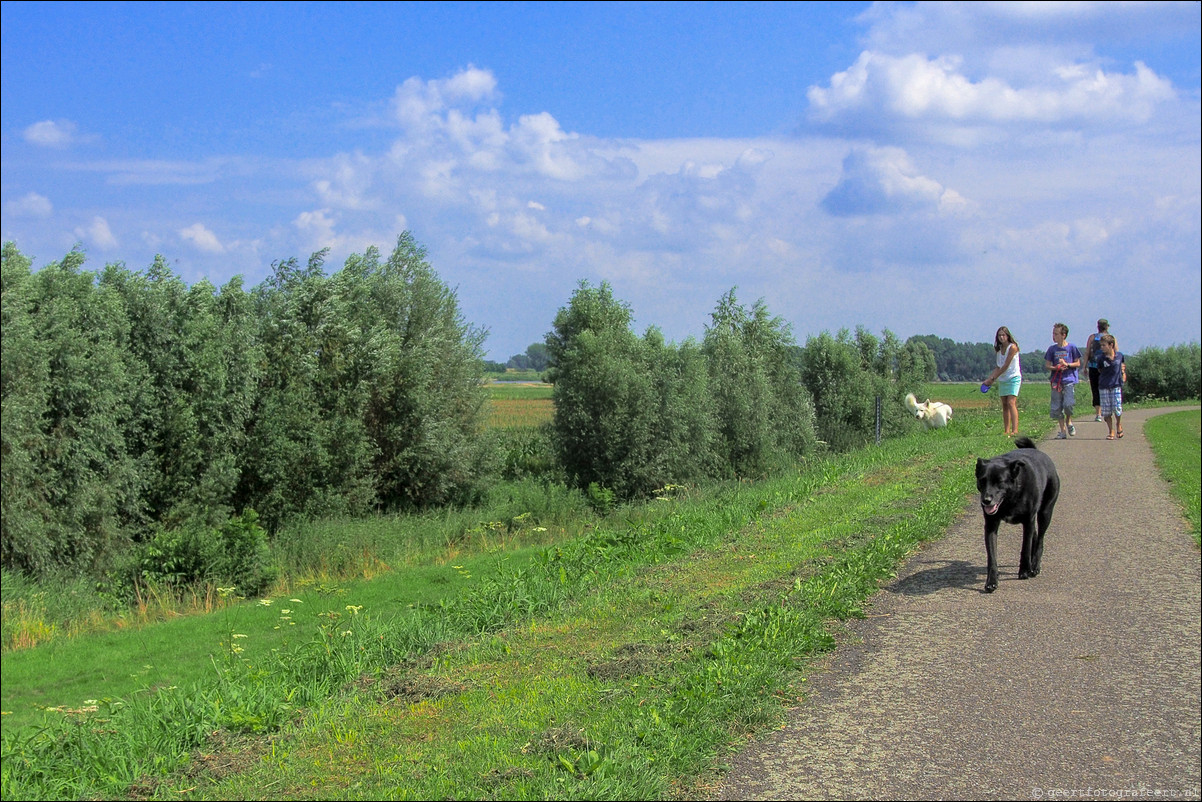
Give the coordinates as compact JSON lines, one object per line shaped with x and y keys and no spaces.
{"x":1072,"y":430}
{"x":1097,"y":419}
{"x":1061,"y":436}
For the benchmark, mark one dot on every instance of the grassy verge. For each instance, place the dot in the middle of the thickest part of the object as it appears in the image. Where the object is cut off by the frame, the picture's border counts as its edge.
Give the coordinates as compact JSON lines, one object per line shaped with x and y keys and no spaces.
{"x":1176,"y":438}
{"x":619,"y":661}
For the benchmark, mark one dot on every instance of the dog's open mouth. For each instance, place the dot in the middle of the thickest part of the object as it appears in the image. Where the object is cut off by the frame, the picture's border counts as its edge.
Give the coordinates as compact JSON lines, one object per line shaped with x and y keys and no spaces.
{"x":991,"y":509}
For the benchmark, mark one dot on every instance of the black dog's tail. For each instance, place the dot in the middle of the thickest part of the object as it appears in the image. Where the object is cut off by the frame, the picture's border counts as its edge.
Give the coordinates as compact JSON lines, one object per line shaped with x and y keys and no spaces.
{"x":1023,"y":442}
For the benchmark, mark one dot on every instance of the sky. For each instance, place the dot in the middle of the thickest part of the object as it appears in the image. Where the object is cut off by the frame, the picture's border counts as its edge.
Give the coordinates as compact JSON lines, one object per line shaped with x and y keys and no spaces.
{"x":924,"y":168}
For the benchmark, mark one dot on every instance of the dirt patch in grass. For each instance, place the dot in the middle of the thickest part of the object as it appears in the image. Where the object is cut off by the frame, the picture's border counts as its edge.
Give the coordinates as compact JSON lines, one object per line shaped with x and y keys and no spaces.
{"x":225,"y":753}
{"x":407,"y":683}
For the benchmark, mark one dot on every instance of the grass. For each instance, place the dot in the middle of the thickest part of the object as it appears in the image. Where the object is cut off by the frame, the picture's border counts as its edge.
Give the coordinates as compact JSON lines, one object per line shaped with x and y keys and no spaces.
{"x":531,"y":651}
{"x":1176,"y":439}
{"x":520,"y":406}
{"x":615,"y":662}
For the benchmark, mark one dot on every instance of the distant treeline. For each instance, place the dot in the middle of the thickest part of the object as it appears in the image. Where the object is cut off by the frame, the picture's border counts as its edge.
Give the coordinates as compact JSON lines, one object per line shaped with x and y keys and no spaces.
{"x":156,"y":432}
{"x":962,"y":362}
{"x":953,"y":361}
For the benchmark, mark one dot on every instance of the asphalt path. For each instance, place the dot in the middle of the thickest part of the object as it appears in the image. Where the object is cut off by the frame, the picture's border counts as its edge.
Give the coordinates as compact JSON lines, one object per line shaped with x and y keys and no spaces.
{"x":1082,"y":683}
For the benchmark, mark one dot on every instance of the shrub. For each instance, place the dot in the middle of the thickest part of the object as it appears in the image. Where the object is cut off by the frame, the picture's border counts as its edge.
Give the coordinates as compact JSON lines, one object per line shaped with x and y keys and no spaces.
{"x":1170,"y":374}
{"x":234,"y":554}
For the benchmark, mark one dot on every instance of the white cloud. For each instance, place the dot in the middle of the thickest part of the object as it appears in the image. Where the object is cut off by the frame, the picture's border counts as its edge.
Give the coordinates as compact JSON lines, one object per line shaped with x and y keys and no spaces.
{"x":98,"y":233}
{"x":202,"y":238}
{"x":317,"y":227}
{"x":915,"y":87}
{"x":885,"y":181}
{"x":30,"y":205}
{"x":51,"y":133}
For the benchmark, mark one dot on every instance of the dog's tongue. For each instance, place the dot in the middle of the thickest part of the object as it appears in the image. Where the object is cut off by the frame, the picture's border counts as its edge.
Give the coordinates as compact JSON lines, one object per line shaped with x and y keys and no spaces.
{"x":992,"y":508}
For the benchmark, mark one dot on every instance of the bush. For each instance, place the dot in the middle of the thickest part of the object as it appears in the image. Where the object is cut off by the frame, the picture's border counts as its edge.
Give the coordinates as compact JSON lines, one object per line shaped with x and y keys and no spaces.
{"x":1169,"y":374}
{"x":236,"y":554}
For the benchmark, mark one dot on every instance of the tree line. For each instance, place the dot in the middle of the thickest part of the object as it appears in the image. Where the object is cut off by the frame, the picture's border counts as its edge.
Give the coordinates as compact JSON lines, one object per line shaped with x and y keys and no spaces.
{"x":158,"y":432}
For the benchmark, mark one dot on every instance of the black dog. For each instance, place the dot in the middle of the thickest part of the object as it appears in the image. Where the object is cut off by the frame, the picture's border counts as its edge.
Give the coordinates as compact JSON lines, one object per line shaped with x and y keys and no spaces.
{"x":1019,"y":487}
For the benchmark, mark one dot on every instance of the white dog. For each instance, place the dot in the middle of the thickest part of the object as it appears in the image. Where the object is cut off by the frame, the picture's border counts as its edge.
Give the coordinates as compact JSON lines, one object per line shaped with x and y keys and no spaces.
{"x":935,"y":414}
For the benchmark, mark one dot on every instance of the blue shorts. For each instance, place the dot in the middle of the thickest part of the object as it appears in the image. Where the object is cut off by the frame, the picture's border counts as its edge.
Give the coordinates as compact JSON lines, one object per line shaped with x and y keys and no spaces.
{"x":1009,"y":386}
{"x":1063,"y":401}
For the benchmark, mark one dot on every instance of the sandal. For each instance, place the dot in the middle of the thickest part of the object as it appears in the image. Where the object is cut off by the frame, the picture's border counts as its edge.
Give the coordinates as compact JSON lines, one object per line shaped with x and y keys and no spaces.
{"x":1110,"y":437}
{"x":1120,"y":432}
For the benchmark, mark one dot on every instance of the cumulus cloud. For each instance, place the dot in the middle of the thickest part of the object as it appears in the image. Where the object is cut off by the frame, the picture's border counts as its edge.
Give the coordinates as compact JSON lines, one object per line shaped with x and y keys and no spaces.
{"x":52,"y":133}
{"x":202,"y":238}
{"x":913,"y":87}
{"x":97,"y":233}
{"x":883,"y":181}
{"x":30,"y":205}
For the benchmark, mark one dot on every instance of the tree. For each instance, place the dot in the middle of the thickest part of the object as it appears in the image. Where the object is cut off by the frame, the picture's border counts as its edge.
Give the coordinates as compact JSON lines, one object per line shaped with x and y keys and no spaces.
{"x":74,"y":493}
{"x":427,"y":402}
{"x":603,"y":401}
{"x":765,"y":417}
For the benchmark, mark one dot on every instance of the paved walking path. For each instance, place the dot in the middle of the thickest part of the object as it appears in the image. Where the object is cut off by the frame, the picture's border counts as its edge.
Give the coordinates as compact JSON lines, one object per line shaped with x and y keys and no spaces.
{"x":1083,"y":683}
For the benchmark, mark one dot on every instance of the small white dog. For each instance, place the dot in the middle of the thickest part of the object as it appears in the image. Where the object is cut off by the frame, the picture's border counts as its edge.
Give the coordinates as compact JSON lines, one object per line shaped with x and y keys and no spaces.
{"x":935,"y":414}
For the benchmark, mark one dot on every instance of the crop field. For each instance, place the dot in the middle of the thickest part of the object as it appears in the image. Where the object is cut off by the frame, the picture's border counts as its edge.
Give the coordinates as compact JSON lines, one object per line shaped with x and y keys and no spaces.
{"x":528,"y":404}
{"x":520,"y":406}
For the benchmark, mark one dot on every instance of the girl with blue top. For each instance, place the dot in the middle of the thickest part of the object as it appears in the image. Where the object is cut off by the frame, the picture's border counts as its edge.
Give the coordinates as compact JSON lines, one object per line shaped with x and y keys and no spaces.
{"x":1008,"y":377}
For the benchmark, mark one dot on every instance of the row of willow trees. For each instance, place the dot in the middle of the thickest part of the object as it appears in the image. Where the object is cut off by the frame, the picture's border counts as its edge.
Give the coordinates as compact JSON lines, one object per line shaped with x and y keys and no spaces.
{"x":138,"y":409}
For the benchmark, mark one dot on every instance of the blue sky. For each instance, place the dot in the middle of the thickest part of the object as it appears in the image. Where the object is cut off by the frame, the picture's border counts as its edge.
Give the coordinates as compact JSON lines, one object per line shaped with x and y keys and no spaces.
{"x":938,"y":168}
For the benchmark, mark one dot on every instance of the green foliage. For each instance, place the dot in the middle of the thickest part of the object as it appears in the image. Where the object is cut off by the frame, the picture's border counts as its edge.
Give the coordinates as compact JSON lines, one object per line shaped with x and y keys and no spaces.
{"x":72,"y":490}
{"x":134,"y":405}
{"x":1169,"y":374}
{"x":605,"y":392}
{"x":635,"y":414}
{"x":526,"y":452}
{"x":846,"y":375}
{"x":234,"y":555}
{"x":765,"y":417}
{"x":536,"y":359}
{"x":601,"y":499}
{"x":513,"y":641}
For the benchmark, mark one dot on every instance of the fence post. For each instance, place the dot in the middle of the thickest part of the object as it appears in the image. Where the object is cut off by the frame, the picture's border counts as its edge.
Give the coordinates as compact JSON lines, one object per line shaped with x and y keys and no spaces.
{"x":878,"y":420}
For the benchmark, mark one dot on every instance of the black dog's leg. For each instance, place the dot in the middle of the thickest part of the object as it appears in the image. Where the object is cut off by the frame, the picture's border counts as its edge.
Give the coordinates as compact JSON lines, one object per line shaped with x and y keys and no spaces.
{"x":1024,"y":560}
{"x":1045,"y":518}
{"x":991,"y":554}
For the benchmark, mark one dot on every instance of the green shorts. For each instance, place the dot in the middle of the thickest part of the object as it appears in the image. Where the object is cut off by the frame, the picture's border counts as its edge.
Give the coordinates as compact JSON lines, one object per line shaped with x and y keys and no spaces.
{"x":1009,"y":386}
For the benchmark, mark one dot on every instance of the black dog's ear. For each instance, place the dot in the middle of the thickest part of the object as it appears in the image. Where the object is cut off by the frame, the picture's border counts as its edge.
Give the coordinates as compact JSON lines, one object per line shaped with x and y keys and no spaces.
{"x":1016,"y":468}
{"x":980,"y":467}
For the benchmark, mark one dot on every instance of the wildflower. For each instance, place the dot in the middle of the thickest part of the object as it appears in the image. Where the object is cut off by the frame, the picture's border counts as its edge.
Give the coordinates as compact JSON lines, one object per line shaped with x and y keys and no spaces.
{"x":345,"y":633}
{"x":354,"y":608}
{"x":265,"y":602}
{"x":298,"y":601}
{"x":239,"y":636}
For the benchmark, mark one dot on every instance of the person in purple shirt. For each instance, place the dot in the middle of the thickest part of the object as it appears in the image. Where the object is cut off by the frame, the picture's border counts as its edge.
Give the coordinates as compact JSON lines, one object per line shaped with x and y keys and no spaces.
{"x":1063,"y":359}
